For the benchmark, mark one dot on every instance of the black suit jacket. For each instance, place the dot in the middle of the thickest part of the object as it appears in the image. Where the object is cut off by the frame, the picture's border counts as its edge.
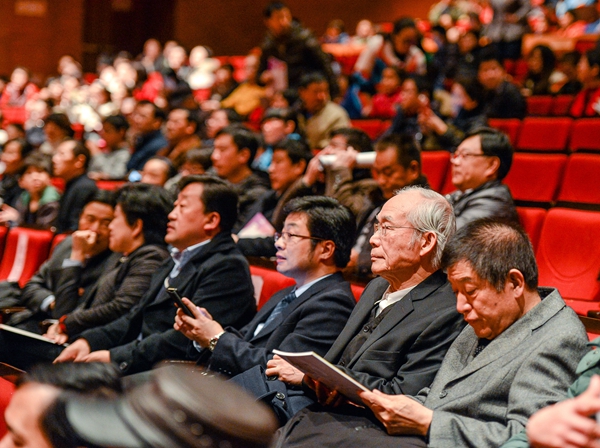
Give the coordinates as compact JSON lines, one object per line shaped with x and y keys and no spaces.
{"x":311,"y":322}
{"x":406,"y":349}
{"x":216,"y":278}
{"x":76,"y":195}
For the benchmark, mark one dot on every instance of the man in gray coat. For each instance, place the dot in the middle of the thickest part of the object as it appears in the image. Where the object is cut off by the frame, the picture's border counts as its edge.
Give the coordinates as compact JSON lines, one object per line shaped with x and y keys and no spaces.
{"x":518,"y":354}
{"x":479,"y":164}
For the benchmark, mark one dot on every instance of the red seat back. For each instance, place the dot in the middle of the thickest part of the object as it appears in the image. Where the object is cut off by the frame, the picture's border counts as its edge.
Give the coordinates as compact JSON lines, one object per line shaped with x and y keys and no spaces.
{"x":434,"y":165}
{"x":109,"y":185}
{"x":25,"y":251}
{"x":535,"y":177}
{"x":585,"y":135}
{"x":581,"y":183}
{"x":357,"y":290}
{"x":510,"y":126}
{"x":371,"y":127}
{"x":561,"y":105}
{"x":544,"y":134}
{"x":266,"y":283}
{"x":57,"y":240}
{"x":532,"y":220}
{"x":3,"y":234}
{"x":568,"y":254}
{"x":539,"y":105}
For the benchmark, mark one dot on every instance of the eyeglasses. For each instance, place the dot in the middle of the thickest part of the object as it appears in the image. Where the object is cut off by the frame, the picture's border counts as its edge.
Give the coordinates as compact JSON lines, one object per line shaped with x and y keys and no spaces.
{"x":462,"y":155}
{"x":285,"y":237}
{"x":384,"y":228}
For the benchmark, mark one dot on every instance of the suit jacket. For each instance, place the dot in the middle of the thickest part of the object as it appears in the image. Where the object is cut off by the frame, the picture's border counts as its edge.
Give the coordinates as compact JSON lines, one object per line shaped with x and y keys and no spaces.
{"x":490,"y":200}
{"x":76,"y":195}
{"x":483,"y":401}
{"x":217,"y":278}
{"x":406,"y":349}
{"x":310,"y":322}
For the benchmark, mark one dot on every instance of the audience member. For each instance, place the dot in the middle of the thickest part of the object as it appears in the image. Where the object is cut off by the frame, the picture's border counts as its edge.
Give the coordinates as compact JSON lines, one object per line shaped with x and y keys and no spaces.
{"x":57,"y":129}
{"x":235,"y":148}
{"x":195,"y":161}
{"x":479,"y":164}
{"x":181,"y":131}
{"x":217,"y":120}
{"x":289,"y":42}
{"x":318,"y":115}
{"x":147,"y":118}
{"x":276,"y":124}
{"x":247,"y":96}
{"x":409,"y":311}
{"x":567,"y":66}
{"x":335,"y":33}
{"x":517,"y":355}
{"x":137,"y":234}
{"x":587,"y":102}
{"x":111,"y":162}
{"x":388,"y":97}
{"x":38,"y":204}
{"x":364,"y":31}
{"x":205,"y":260}
{"x":157,"y":171}
{"x":540,"y":64}
{"x":14,"y":97}
{"x":70,"y":164}
{"x":502,"y":99}
{"x":13,"y":154}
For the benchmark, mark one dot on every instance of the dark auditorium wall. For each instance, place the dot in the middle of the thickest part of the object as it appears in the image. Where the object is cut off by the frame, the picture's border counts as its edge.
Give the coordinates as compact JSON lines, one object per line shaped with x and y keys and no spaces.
{"x":235,"y":26}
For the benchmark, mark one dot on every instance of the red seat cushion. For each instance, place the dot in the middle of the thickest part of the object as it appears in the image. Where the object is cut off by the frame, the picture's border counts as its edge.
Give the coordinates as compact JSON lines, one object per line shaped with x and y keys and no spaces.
{"x":585,"y":135}
{"x":545,"y":134}
{"x":535,"y":177}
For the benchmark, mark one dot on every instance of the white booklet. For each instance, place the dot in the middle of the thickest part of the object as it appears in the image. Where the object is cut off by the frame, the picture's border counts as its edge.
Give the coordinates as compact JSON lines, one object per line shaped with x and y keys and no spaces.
{"x":323,"y":371}
{"x":28,"y":334}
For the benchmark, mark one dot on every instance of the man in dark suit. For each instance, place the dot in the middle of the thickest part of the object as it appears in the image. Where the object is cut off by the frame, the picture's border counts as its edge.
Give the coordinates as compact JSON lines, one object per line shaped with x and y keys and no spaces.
{"x":206,"y":266}
{"x":403,"y":324}
{"x":312,"y":248}
{"x":70,"y":163}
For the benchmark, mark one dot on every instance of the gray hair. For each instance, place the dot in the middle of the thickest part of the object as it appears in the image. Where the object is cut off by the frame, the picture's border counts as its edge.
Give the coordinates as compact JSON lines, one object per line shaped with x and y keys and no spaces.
{"x":433,"y":214}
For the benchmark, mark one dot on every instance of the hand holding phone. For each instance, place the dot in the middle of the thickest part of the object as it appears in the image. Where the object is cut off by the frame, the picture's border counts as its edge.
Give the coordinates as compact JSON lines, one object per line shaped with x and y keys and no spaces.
{"x":177,"y":298}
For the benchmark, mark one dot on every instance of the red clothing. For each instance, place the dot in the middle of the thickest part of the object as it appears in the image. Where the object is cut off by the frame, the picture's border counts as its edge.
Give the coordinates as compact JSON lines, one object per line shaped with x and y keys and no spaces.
{"x":384,"y":106}
{"x":12,"y":103}
{"x":583,"y":105}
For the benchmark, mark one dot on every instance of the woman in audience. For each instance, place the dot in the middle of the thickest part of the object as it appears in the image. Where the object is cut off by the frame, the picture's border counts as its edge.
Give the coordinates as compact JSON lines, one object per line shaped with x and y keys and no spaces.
{"x":111,"y":163}
{"x":57,"y":128}
{"x":587,"y":102}
{"x":38,"y":205}
{"x":11,"y":163}
{"x":540,"y":63}
{"x":137,"y":236}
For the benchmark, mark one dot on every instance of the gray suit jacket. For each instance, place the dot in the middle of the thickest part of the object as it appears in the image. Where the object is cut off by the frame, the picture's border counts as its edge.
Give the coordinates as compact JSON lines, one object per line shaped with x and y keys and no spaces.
{"x":483,"y":401}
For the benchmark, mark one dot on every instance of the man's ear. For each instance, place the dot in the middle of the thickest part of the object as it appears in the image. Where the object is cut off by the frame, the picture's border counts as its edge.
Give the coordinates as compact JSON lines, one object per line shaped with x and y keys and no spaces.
{"x":328,"y":250}
{"x":428,"y":243}
{"x":137,"y":229}
{"x":213,"y":222}
{"x":244,"y":156}
{"x":492,"y":170}
{"x":80,"y":161}
{"x":516,"y":282}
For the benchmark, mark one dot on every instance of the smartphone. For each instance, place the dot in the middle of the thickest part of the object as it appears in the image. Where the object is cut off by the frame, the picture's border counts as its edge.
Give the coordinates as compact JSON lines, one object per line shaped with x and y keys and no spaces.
{"x":177,"y":298}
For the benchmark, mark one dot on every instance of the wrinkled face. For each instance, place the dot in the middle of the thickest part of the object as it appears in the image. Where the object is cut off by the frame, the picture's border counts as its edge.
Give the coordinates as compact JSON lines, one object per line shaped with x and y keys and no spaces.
{"x":11,"y":156}
{"x":23,"y":416}
{"x":488,"y":311}
{"x":273,"y":130}
{"x":226,"y":158}
{"x":405,"y":39}
{"x":111,"y":135}
{"x":295,"y":256}
{"x":64,"y":162}
{"x":35,"y":180}
{"x":97,"y":216}
{"x":178,"y":126}
{"x":490,"y":74}
{"x":143,"y":119}
{"x":217,"y":121}
{"x":280,"y":22}
{"x":396,"y":255}
{"x":470,"y":166}
{"x":155,"y":172}
{"x":314,"y":96}
{"x":283,"y":172}
{"x":121,"y":233}
{"x":187,"y":220}
{"x":389,"y":174}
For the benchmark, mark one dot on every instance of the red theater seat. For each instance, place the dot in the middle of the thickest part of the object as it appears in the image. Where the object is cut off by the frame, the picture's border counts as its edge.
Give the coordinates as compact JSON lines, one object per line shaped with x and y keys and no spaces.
{"x":585,"y":135}
{"x":561,"y":105}
{"x":535,"y":177}
{"x":581,"y":184}
{"x":532,"y":220}
{"x":510,"y":126}
{"x":25,"y":251}
{"x":371,"y":127}
{"x":434,"y":165}
{"x":544,"y":134}
{"x":266,"y":283}
{"x":109,"y":185}
{"x":357,"y":290}
{"x":568,"y":256}
{"x":539,"y":105}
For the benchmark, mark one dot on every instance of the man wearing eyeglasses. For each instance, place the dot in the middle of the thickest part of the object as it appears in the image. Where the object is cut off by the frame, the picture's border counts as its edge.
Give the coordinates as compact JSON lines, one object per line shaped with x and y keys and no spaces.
{"x":479,"y":164}
{"x":312,"y":248}
{"x":400,"y":330}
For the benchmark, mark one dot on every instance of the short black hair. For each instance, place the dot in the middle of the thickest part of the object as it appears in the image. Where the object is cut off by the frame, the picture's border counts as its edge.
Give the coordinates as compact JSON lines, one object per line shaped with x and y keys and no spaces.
{"x":406,"y":147}
{"x":38,"y":160}
{"x":149,"y":203}
{"x":495,"y":143}
{"x":402,"y":23}
{"x":272,"y":7}
{"x":357,"y":138}
{"x":118,"y":121}
{"x":217,"y":196}
{"x":311,"y":78}
{"x":488,"y":54}
{"x":327,"y":219}
{"x":493,"y":248}
{"x":158,"y":112}
{"x":171,"y":170}
{"x":24,"y":146}
{"x":242,"y":138}
{"x":593,"y":57}
{"x":79,"y":149}
{"x":285,"y":114}
{"x":472,"y":87}
{"x":296,"y":150}
{"x":191,"y":117}
{"x":200,"y":156}
{"x":103,"y":197}
{"x":62,"y":121}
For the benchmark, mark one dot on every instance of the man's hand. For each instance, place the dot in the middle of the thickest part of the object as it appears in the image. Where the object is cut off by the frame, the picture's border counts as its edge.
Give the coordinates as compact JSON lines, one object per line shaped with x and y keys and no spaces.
{"x":8,"y":213}
{"x":398,"y":413}
{"x":325,"y":396}
{"x":202,"y":328}
{"x":567,"y":424}
{"x":56,"y":335}
{"x":75,"y":352}
{"x":98,"y":356}
{"x":345,"y":158}
{"x":314,"y":172}
{"x":83,"y":244}
{"x":284,"y":371}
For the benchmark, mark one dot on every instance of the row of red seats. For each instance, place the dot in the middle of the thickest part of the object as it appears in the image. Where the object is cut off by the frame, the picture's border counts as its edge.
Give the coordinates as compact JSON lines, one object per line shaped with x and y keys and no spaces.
{"x":543,"y":179}
{"x":549,"y":105}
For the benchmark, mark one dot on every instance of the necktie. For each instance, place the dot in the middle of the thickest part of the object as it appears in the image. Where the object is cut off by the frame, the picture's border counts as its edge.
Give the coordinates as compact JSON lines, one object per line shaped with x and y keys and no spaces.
{"x":280,"y":307}
{"x":483,"y":343}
